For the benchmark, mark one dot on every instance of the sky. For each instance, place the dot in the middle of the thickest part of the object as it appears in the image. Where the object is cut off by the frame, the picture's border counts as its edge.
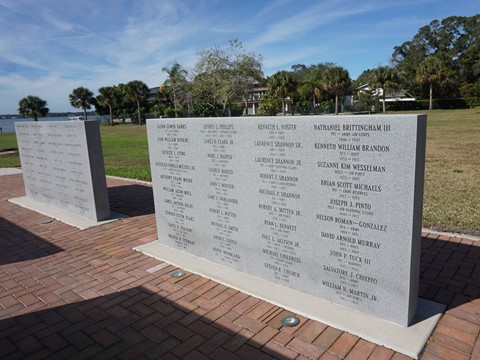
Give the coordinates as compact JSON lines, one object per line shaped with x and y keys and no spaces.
{"x":50,"y":47}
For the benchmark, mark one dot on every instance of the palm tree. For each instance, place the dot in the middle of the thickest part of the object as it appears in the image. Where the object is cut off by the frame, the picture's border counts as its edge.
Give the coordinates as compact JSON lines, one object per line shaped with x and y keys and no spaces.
{"x":311,"y":87}
{"x":32,"y":106}
{"x":309,"y":81}
{"x":430,"y":71}
{"x":337,"y":80}
{"x":385,"y":78}
{"x":82,"y":98}
{"x":138,"y":92}
{"x":176,"y":79}
{"x":283,"y":85}
{"x":108,"y":97}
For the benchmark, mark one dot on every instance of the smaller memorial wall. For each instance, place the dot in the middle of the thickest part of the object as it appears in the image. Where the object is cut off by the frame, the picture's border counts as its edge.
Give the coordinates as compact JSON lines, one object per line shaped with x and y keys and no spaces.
{"x":62,"y":163}
{"x":330,"y":206}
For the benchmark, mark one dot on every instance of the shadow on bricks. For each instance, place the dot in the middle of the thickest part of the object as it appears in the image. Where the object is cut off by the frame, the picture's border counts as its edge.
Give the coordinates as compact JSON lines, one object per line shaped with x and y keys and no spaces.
{"x":18,"y":244}
{"x":132,"y":200}
{"x":450,"y":271}
{"x":130,"y":324}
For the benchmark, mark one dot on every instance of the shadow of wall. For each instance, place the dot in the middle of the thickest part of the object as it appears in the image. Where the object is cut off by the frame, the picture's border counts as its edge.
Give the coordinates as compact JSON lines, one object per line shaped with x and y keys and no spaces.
{"x":18,"y":244}
{"x":450,"y":271}
{"x":130,"y":324}
{"x":131,"y":200}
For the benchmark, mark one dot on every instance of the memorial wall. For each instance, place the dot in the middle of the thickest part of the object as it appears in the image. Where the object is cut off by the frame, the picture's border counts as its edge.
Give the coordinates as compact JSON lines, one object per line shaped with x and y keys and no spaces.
{"x":62,"y":163}
{"x":327,"y":205}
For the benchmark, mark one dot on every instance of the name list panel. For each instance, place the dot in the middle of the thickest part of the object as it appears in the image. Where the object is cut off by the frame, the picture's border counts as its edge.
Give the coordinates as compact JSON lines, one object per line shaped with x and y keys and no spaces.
{"x":323,"y":205}
{"x":62,"y":163}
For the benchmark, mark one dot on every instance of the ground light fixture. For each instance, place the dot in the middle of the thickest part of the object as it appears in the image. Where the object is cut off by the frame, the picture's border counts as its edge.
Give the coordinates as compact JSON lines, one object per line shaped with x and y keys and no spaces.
{"x":290,"y":321}
{"x":177,"y":274}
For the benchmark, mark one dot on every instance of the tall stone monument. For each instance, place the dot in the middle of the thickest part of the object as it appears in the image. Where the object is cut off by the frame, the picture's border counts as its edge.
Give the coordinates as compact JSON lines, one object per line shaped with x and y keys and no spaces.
{"x":328,"y":206}
{"x":62,"y":163}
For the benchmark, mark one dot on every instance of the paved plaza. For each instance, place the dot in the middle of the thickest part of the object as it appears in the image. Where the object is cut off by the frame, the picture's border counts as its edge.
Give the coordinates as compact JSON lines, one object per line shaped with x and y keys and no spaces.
{"x":71,"y":294}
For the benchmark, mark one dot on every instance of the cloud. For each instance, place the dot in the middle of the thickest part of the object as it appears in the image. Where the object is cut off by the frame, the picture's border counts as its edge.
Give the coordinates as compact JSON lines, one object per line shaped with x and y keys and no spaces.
{"x":61,"y":56}
{"x":275,"y":61}
{"x":60,"y":24}
{"x":307,"y":20}
{"x":272,"y":7}
{"x":50,"y":47}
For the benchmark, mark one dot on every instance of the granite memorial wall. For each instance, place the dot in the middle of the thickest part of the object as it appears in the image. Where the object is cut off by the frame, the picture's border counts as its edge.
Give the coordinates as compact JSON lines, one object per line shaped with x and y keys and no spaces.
{"x":62,"y":163}
{"x":330,"y":206}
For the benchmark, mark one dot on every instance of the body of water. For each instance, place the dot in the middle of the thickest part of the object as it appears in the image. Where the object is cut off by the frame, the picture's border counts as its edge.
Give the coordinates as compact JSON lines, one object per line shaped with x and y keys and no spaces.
{"x":7,"y":125}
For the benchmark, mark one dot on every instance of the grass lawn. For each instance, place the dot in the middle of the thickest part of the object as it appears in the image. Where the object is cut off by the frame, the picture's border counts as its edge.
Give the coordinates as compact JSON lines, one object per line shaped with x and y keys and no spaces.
{"x":452,"y":171}
{"x":125,"y":151}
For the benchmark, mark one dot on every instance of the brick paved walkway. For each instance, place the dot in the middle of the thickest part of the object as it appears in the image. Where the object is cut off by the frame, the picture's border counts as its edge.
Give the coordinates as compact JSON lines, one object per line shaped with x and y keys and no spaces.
{"x":72,"y":294}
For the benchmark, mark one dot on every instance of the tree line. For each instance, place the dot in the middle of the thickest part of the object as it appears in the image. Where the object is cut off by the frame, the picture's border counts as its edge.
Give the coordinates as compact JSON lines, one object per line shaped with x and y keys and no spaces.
{"x":442,"y":60}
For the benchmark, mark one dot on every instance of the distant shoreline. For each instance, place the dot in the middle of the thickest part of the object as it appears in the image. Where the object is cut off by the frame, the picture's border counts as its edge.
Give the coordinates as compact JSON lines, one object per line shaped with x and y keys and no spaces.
{"x":55,"y":114}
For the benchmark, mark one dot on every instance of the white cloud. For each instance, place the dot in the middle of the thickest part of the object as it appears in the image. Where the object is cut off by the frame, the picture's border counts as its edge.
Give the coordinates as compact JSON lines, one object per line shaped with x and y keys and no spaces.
{"x":272,"y":7}
{"x":307,"y":20}
{"x":51,"y":47}
{"x":59,"y":24}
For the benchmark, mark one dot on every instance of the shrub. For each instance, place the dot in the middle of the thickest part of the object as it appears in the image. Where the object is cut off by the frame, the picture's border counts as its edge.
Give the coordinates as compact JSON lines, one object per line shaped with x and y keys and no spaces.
{"x":169,"y":112}
{"x":444,"y":104}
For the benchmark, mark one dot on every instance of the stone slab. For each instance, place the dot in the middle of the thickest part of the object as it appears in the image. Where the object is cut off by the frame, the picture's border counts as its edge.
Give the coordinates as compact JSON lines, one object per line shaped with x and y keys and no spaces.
{"x":10,"y":171}
{"x":330,"y":206}
{"x":62,"y":163}
{"x":62,"y":215}
{"x":406,"y":340}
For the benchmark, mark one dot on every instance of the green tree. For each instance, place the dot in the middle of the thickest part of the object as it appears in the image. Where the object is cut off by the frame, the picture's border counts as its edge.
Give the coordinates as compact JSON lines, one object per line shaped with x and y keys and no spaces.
{"x":309,"y":81}
{"x":471,"y":93}
{"x":455,"y":41}
{"x":125,"y":106}
{"x":336,"y":80}
{"x":176,"y":82}
{"x":138,"y":92}
{"x":385,"y":78}
{"x":430,"y":71}
{"x":82,"y":98}
{"x":212,"y":84}
{"x":368,"y":97}
{"x":163,"y":100}
{"x":108,"y":96}
{"x":362,"y":79}
{"x":223,"y":76}
{"x":32,"y":106}
{"x":247,"y":70}
{"x":270,"y":105}
{"x":310,"y":88}
{"x":204,"y":97}
{"x":282,"y":84}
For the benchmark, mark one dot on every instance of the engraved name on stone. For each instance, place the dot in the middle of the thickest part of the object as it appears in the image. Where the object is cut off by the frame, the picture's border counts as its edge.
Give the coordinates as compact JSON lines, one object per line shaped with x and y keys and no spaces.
{"x":277,"y":162}
{"x":222,"y":199}
{"x":351,"y":204}
{"x":176,"y":175}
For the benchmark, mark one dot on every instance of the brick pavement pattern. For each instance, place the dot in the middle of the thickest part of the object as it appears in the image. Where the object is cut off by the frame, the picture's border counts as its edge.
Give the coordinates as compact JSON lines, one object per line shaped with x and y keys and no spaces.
{"x":72,"y":294}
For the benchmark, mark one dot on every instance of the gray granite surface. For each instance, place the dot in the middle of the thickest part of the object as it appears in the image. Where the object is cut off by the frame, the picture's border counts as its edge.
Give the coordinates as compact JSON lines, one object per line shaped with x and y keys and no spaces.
{"x":329,"y":205}
{"x":62,"y":163}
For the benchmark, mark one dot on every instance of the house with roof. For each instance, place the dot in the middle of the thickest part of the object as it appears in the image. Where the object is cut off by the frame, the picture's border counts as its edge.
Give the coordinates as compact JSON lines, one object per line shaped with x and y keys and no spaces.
{"x":391,"y":95}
